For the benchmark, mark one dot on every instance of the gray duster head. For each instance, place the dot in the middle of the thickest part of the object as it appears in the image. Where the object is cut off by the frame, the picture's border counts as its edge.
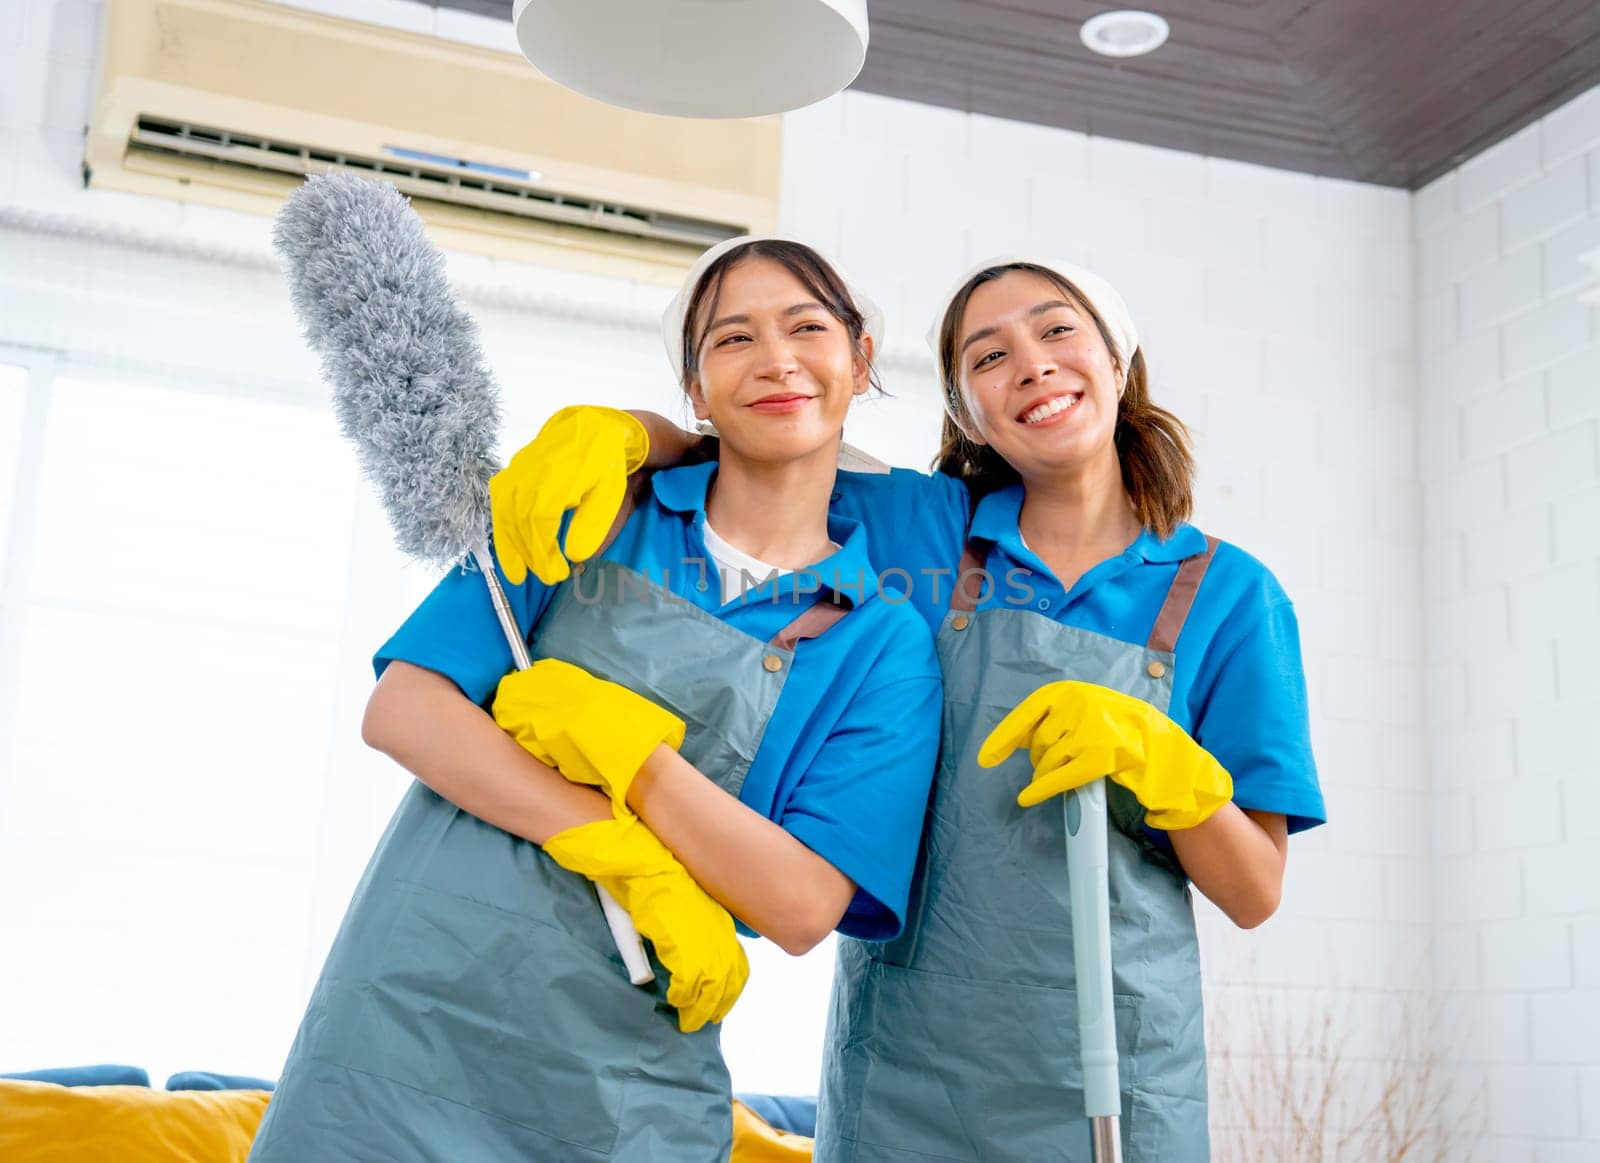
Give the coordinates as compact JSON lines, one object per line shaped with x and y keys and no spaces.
{"x":410,"y":386}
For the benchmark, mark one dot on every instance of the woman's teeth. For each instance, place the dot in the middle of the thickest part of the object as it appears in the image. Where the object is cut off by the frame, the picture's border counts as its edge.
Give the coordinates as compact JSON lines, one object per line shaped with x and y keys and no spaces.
{"x":1048,"y":409}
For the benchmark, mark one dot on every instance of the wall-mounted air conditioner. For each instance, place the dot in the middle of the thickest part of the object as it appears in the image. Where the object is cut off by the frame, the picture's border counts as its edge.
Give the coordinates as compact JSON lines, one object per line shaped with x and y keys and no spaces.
{"x":233,"y":102}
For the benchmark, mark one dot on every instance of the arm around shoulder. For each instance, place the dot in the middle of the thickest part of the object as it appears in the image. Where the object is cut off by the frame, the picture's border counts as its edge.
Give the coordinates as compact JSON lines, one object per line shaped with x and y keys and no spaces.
{"x":669,"y":444}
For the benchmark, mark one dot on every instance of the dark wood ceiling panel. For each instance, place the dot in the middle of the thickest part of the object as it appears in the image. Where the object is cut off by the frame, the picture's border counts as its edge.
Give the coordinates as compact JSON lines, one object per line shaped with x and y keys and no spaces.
{"x":1389,"y":91}
{"x":1374,"y":90}
{"x":1415,"y":76}
{"x":1203,"y":89}
{"x":1197,"y":131}
{"x":1491,"y":97}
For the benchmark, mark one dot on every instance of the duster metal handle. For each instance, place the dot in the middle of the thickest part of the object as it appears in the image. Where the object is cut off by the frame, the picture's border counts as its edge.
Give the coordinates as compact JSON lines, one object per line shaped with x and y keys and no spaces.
{"x":623,"y":932}
{"x":1087,"y":861}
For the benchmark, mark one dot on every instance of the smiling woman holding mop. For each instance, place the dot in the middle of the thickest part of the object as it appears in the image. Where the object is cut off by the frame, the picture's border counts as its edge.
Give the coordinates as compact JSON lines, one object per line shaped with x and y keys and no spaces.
{"x":1134,"y":648}
{"x":1106,"y":637}
{"x":762,"y":751}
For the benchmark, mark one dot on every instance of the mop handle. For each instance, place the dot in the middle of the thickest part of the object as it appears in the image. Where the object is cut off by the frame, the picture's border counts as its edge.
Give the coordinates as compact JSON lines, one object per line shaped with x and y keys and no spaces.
{"x":1085,"y":810}
{"x":622,"y":930}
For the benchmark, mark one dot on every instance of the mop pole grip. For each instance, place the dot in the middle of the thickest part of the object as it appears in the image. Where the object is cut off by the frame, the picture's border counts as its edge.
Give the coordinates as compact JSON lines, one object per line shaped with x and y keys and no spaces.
{"x":1085,"y":810}
{"x":627,"y":939}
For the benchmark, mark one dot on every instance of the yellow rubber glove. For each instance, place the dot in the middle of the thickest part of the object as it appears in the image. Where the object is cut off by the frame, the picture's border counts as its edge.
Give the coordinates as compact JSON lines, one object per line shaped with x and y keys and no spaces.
{"x":757,"y":1141}
{"x":580,"y":460}
{"x":590,"y":730}
{"x":1077,"y":732}
{"x":692,"y":934}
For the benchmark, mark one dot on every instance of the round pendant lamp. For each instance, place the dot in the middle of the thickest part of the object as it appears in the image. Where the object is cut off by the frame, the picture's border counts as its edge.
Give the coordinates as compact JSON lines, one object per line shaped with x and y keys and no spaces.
{"x":696,"y":58}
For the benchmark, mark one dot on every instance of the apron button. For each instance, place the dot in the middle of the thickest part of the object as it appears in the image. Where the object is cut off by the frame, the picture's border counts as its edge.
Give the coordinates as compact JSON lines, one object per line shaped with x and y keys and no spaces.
{"x":960,"y":622}
{"x":1156,"y":669}
{"x":773,"y":663}
{"x":577,"y":570}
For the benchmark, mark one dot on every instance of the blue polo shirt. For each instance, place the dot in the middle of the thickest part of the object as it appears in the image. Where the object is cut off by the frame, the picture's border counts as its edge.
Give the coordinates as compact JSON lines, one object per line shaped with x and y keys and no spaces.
{"x":1238,"y":683}
{"x":847,"y":758}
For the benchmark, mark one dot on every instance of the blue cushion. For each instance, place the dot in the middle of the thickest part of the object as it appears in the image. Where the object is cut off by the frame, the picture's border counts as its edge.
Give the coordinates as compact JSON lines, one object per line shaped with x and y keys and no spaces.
{"x":87,"y":1076}
{"x":787,"y":1112}
{"x":205,"y":1080}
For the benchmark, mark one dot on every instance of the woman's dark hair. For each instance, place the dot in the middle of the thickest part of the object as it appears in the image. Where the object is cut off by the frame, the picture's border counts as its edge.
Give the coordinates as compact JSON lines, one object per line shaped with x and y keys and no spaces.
{"x":1152,"y":444}
{"x":814,"y":273}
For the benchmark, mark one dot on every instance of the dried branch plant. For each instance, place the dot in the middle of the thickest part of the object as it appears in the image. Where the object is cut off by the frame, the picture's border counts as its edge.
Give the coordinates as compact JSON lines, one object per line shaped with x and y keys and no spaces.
{"x":1289,"y":1087}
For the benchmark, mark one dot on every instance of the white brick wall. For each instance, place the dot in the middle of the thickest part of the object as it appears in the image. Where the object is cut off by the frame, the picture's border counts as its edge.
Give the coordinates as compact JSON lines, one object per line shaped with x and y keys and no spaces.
{"x":1396,"y":401}
{"x":1510,"y":364}
{"x":1557,"y":200}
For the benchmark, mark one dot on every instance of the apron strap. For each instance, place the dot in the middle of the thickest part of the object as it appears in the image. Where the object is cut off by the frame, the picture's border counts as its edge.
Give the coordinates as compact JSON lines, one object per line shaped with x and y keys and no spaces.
{"x":1169,"y":623}
{"x":817,"y":619}
{"x":1180,"y":599}
{"x":969,"y":579}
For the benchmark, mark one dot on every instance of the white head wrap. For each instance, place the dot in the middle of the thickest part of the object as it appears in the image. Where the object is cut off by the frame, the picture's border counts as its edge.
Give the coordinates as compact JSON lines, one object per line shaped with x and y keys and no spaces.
{"x":672,"y":318}
{"x":1101,"y":295}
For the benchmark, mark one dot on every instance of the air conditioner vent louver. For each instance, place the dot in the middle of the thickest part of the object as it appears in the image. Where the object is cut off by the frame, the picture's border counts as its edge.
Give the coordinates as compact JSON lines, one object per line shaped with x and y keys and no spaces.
{"x":460,"y":184}
{"x":231,"y":103}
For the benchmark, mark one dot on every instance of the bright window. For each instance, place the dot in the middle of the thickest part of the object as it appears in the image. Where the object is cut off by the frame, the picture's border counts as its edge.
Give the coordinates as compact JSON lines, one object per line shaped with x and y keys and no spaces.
{"x":185,"y":802}
{"x":173,"y":685}
{"x":13,"y":395}
{"x":214,"y":507}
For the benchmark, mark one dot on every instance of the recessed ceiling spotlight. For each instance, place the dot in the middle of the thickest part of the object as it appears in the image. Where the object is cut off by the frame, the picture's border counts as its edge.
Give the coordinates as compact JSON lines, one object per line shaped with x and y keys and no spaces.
{"x":1126,"y":33}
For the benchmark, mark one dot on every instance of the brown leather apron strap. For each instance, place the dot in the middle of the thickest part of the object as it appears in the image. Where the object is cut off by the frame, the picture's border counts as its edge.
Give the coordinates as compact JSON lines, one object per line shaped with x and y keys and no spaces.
{"x":810,"y":624}
{"x":969,"y":580}
{"x":1180,"y":599}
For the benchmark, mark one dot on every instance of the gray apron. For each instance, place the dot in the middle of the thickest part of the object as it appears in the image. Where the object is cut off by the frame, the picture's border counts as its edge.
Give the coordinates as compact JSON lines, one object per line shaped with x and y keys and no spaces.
{"x":958,"y":1040}
{"x":474,"y":1006}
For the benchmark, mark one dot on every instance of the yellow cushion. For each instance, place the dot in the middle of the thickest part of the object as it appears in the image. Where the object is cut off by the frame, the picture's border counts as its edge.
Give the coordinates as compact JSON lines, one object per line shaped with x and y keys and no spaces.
{"x":757,"y":1141}
{"x":41,"y":1122}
